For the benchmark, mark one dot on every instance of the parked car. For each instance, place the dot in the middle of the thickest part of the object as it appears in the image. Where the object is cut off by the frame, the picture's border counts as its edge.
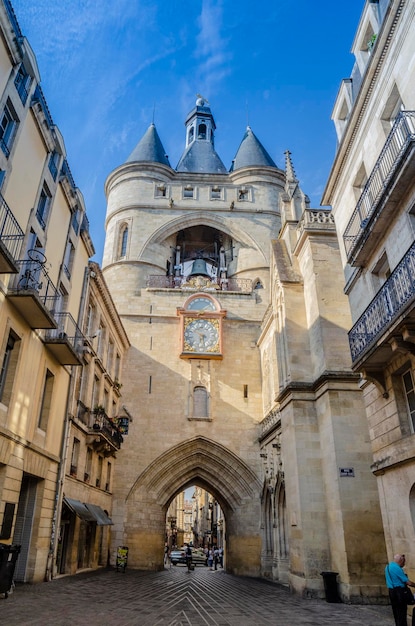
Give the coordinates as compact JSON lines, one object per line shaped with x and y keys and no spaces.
{"x":179,"y":556}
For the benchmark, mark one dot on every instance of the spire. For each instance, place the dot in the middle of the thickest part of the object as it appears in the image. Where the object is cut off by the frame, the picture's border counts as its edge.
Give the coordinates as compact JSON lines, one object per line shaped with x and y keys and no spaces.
{"x":149,"y":148}
{"x":294,"y":199}
{"x":200,"y":154}
{"x":289,"y":168}
{"x":251,"y":152}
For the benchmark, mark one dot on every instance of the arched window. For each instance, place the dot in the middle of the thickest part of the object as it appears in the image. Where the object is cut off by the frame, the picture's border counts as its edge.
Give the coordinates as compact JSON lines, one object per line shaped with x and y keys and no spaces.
{"x":190,"y":135}
{"x":122,"y":242}
{"x":200,"y":402}
{"x":202,"y":131}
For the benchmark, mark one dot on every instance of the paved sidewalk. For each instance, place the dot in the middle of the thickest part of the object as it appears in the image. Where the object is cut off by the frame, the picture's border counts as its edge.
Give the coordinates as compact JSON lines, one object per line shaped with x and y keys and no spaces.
{"x":174,"y":597}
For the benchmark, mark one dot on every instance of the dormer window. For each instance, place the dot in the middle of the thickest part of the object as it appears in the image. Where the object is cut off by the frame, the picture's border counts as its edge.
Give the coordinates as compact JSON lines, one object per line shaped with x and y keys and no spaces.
{"x":188,"y":191}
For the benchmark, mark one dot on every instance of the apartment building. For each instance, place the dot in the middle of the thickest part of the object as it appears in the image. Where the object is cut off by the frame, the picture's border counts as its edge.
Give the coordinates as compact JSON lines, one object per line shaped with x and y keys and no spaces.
{"x":372,"y":191}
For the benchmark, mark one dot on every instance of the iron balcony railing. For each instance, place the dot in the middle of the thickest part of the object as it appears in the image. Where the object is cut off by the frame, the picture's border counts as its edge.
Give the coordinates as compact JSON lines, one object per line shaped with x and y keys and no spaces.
{"x":107,"y":426}
{"x":32,"y":276}
{"x":242,"y":285}
{"x":398,"y":141}
{"x":11,"y":235}
{"x":67,"y":330}
{"x":385,"y":307}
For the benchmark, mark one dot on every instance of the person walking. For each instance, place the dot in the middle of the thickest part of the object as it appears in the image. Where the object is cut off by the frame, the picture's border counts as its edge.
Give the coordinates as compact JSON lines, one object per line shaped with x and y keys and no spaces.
{"x":210,"y":558}
{"x":189,"y":558}
{"x":396,"y":582}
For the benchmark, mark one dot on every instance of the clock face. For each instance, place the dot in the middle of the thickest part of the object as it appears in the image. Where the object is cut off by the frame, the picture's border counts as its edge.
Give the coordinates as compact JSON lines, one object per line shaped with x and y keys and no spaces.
{"x":201,"y":335}
{"x":201,"y":304}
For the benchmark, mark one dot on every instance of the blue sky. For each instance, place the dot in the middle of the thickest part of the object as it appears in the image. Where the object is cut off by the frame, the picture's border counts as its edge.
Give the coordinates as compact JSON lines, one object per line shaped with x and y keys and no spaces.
{"x":108,"y":67}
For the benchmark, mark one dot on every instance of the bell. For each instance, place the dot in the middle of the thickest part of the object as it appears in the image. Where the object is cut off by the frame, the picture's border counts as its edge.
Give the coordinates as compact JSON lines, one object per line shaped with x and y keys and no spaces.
{"x":199,"y":268}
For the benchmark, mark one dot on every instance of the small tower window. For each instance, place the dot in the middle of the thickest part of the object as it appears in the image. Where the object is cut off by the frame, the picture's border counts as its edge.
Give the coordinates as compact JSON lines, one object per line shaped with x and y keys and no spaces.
{"x":243,"y":194}
{"x":202,"y":131}
{"x":161,"y":191}
{"x":216,"y":193}
{"x":200,"y":402}
{"x":188,"y":192}
{"x":191,"y":134}
{"x":123,"y":241}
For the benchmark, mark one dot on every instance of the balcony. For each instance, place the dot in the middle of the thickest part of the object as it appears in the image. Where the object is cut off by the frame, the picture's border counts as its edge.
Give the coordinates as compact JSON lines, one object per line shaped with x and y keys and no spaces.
{"x":11,"y":239}
{"x":105,"y":436}
{"x":240,"y":285}
{"x":32,"y":292}
{"x":66,"y":341}
{"x":393,"y":173}
{"x":386,"y":324}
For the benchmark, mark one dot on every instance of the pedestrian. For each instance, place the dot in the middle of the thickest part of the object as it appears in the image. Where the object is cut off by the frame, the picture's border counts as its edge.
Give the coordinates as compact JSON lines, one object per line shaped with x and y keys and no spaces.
{"x":216,"y":557}
{"x":210,"y":558}
{"x":188,"y":557}
{"x":396,"y":582}
{"x":221,"y":556}
{"x":166,"y":553}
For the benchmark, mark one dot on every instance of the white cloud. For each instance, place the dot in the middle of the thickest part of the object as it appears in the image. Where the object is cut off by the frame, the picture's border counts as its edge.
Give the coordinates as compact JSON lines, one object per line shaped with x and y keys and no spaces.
{"x":214,"y":64}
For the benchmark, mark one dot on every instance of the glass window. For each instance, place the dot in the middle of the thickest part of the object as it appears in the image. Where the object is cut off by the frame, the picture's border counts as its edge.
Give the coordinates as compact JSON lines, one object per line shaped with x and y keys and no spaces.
{"x":46,"y":400}
{"x":53,"y":164}
{"x":43,"y":206}
{"x":8,"y":127}
{"x":75,"y":456}
{"x":22,"y":83}
{"x":9,"y":367}
{"x":408,"y":383}
{"x":122,"y":242}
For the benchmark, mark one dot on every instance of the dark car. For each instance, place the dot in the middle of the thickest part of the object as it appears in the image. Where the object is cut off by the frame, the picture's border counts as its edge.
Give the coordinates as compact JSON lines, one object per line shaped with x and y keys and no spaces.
{"x":179,"y":556}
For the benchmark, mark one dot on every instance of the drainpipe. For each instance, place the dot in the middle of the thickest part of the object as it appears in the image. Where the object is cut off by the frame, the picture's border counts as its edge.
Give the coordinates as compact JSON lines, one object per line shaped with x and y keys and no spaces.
{"x":57,"y":513}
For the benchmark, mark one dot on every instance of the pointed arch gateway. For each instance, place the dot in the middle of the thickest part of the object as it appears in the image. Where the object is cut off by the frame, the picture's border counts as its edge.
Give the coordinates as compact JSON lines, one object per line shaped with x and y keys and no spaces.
{"x":212,"y":466}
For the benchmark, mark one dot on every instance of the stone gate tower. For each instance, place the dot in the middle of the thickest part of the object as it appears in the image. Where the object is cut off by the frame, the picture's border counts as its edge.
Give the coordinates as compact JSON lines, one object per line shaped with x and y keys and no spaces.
{"x":233,"y":377}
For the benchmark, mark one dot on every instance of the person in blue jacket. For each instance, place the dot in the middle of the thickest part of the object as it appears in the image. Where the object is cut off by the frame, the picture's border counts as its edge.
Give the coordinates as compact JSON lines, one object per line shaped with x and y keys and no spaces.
{"x":396,"y":580}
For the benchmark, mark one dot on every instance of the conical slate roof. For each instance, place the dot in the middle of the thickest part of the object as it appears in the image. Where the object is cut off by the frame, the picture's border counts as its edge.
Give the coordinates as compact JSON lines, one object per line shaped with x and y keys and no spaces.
{"x":149,"y":148}
{"x":201,"y":156}
{"x":251,"y":152}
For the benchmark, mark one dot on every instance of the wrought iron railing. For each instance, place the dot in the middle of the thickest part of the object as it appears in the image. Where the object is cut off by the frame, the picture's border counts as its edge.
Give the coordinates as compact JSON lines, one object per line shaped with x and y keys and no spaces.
{"x":242,"y":285}
{"x":67,"y":330}
{"x":400,"y":137}
{"x":385,"y":307}
{"x":108,"y":427}
{"x":33,"y":277}
{"x":11,"y":235}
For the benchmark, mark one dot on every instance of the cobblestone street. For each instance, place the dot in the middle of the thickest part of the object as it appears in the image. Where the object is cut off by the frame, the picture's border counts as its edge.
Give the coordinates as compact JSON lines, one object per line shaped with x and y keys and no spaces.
{"x":174,"y":597}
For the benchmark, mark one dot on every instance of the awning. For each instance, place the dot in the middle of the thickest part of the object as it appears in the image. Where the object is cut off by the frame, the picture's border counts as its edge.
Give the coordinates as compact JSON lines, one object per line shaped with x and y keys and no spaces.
{"x":99,"y":514}
{"x":79,"y":509}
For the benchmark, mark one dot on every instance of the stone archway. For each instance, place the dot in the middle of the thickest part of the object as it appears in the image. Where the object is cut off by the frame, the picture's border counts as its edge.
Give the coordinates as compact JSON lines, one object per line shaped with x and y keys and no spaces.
{"x":218,"y":470}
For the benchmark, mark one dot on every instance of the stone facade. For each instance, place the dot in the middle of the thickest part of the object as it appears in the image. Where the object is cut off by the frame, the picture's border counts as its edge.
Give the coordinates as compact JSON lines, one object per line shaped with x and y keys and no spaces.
{"x":371,"y":188}
{"x":284,"y":412}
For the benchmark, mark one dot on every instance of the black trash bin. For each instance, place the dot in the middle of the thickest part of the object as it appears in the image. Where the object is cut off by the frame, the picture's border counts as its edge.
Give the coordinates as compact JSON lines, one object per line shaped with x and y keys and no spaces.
{"x":8,"y":558}
{"x":330,"y":586}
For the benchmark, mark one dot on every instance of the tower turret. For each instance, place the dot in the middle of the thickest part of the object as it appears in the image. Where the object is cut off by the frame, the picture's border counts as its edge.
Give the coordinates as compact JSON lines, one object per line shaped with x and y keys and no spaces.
{"x":200,"y":154}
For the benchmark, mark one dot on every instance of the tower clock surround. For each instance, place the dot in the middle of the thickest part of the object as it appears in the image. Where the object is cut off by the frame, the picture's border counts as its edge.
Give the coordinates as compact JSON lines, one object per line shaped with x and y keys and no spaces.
{"x":201,"y":329}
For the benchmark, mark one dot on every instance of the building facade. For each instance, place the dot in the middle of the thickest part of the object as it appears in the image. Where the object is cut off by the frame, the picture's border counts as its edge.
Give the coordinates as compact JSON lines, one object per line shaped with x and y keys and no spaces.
{"x":95,"y":428}
{"x":44,"y":249}
{"x":371,"y":188}
{"x":230,"y":290}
